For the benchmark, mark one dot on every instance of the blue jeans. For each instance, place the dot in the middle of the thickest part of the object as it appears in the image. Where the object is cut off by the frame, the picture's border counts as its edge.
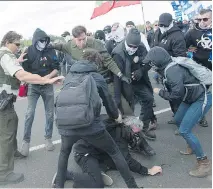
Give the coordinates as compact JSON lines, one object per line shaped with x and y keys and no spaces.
{"x":47,"y":94}
{"x":187,"y":116}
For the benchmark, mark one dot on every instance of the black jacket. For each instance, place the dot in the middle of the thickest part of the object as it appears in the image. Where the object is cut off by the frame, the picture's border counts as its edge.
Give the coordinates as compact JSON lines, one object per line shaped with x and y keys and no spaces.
{"x":172,"y":41}
{"x":83,"y":67}
{"x":127,"y":66}
{"x":110,"y":45}
{"x":176,"y":76}
{"x":40,"y":62}
{"x":150,"y":38}
{"x":202,"y":40}
{"x":82,"y":147}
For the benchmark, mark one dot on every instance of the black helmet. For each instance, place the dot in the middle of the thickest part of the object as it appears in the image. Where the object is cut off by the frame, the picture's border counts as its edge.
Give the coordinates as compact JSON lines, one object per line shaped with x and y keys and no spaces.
{"x":99,"y":34}
{"x":107,"y":29}
{"x":66,"y":33}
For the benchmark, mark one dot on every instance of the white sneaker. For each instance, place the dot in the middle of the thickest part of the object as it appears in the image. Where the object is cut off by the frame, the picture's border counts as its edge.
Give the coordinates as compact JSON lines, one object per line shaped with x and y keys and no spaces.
{"x":25,"y":147}
{"x":106,"y":179}
{"x":49,"y":145}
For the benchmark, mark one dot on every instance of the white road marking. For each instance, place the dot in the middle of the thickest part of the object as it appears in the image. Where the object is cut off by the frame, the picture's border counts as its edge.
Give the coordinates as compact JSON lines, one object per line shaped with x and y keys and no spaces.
{"x":35,"y":148}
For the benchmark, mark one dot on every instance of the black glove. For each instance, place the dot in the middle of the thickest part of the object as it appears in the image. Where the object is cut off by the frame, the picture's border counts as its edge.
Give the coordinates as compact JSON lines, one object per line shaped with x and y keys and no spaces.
{"x":126,"y":79}
{"x":137,"y":74}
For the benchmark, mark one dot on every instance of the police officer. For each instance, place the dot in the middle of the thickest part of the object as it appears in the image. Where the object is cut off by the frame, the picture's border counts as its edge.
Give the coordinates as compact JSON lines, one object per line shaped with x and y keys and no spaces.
{"x":10,"y":71}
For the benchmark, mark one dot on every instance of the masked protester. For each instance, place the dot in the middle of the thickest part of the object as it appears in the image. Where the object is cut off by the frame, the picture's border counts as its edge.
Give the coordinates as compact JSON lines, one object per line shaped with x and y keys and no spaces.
{"x":129,"y":55}
{"x":107,"y":31}
{"x":99,"y":34}
{"x":118,"y":35}
{"x":131,"y":24}
{"x":171,"y":38}
{"x":199,"y":42}
{"x":192,"y":107}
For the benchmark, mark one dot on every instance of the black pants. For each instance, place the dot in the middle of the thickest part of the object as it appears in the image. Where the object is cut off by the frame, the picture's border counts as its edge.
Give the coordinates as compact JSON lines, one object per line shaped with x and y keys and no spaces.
{"x":144,"y":95}
{"x":91,"y":176}
{"x":101,"y":140}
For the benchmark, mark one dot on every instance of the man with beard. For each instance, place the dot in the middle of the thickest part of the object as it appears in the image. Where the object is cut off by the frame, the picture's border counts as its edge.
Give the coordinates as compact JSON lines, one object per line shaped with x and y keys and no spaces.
{"x":199,"y":42}
{"x":129,"y":55}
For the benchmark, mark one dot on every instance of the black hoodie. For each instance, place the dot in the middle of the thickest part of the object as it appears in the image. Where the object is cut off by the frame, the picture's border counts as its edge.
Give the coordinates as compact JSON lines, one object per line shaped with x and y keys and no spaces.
{"x":40,"y":62}
{"x":202,"y":40}
{"x":172,"y":41}
{"x":83,"y":67}
{"x":177,"y":77}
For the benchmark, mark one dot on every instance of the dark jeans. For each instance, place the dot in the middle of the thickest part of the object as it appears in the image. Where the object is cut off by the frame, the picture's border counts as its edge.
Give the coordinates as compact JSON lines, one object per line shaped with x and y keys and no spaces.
{"x":47,"y":94}
{"x":101,"y":140}
{"x":144,"y":96}
{"x":91,"y":176}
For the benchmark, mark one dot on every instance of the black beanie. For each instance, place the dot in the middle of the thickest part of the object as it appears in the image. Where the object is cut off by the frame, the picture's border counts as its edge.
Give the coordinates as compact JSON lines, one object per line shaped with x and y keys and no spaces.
{"x":130,"y":23}
{"x":99,"y":34}
{"x":133,"y":37}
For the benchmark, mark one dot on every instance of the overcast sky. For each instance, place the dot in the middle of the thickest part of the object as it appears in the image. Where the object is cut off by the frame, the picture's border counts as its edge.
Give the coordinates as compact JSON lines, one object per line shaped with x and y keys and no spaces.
{"x":54,"y":17}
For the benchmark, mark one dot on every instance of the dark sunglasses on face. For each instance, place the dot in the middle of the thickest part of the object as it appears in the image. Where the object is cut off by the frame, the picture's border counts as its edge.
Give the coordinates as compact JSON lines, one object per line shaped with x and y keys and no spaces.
{"x":156,"y":24}
{"x":132,"y":46}
{"x":204,"y":19}
{"x":17,"y":44}
{"x":162,"y":26}
{"x":42,"y":40}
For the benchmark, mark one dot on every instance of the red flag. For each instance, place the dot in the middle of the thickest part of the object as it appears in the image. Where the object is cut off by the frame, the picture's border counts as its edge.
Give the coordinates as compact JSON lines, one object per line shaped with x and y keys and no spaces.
{"x":103,"y":7}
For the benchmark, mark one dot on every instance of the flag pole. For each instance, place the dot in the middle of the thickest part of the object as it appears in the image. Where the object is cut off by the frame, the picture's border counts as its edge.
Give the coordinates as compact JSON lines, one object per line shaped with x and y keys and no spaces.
{"x":143,"y":17}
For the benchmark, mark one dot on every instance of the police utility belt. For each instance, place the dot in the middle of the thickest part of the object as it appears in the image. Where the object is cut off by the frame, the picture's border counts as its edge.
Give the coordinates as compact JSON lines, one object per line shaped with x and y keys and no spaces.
{"x":6,"y":100}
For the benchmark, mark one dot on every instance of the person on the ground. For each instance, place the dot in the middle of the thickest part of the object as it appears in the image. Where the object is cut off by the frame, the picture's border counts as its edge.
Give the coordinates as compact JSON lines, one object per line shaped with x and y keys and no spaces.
{"x":95,"y":162}
{"x":131,"y":24}
{"x":95,"y":133}
{"x":129,"y":56}
{"x":44,"y":62}
{"x":199,"y":42}
{"x":195,"y":103}
{"x":10,"y":70}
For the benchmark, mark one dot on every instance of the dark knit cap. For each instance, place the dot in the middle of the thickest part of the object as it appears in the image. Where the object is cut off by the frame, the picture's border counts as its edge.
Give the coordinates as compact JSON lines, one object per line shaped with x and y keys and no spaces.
{"x":133,"y":37}
{"x":130,"y":23}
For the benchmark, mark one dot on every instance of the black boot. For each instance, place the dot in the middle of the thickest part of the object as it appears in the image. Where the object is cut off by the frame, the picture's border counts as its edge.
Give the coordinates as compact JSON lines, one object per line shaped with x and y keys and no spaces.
{"x":145,"y":148}
{"x":203,"y":122}
{"x":148,"y":134}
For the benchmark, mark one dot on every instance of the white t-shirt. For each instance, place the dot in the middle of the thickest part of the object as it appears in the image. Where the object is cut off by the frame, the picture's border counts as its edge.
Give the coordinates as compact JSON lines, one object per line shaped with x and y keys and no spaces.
{"x":10,"y":66}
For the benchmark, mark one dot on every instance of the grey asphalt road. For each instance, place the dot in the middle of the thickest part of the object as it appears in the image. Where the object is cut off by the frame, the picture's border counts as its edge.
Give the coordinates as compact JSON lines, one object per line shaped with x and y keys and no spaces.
{"x":40,"y":166}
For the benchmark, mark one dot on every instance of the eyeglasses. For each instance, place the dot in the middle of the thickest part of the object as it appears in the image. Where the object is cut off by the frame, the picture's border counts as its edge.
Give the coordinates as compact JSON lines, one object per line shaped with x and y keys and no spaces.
{"x":17,"y":44}
{"x":132,"y":46}
{"x":204,"y":19}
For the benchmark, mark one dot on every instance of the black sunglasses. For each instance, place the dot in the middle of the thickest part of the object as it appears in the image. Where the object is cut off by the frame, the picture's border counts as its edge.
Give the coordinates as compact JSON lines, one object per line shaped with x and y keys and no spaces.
{"x":42,"y":40}
{"x":132,"y":46}
{"x":204,"y":19}
{"x":162,"y":26}
{"x":17,"y":44}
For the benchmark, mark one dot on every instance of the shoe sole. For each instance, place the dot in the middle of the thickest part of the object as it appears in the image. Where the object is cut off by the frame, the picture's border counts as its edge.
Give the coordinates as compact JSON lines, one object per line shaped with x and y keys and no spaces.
{"x":15,"y":182}
{"x":106,"y":179}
